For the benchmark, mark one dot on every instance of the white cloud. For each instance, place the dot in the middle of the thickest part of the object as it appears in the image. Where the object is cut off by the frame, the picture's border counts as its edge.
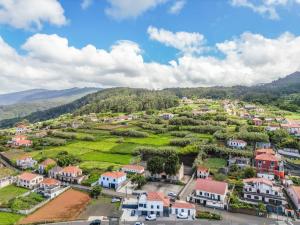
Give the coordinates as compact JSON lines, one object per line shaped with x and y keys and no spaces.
{"x":177,"y":6}
{"x":187,"y":43}
{"x":50,"y":62}
{"x":86,"y":3}
{"x":266,"y":8}
{"x":123,"y":9}
{"x":31,"y":14}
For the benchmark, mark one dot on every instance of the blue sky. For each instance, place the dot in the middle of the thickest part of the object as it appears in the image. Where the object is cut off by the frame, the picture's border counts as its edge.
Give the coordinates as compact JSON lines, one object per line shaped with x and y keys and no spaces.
{"x":213,"y":25}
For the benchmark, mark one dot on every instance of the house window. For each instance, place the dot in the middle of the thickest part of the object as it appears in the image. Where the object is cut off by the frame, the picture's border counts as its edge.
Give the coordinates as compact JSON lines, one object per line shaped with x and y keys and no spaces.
{"x":256,"y":197}
{"x":152,"y":207}
{"x":267,"y":191}
{"x":158,"y":207}
{"x":248,"y":196}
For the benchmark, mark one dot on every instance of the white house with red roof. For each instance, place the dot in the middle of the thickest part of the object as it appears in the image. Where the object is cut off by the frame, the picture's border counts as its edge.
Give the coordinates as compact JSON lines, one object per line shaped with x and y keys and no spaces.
{"x":235,"y":143}
{"x":210,"y":193}
{"x":133,"y":169}
{"x":265,"y":191}
{"x":26,"y":162}
{"x":20,"y":140}
{"x":183,"y":207}
{"x":291,"y":128}
{"x":50,"y":187}
{"x":294,"y":194}
{"x":153,"y":203}
{"x":47,"y":163}
{"x":113,"y":180}
{"x":21,"y":129}
{"x":202,"y":172}
{"x":71,"y":174}
{"x":29,"y":180}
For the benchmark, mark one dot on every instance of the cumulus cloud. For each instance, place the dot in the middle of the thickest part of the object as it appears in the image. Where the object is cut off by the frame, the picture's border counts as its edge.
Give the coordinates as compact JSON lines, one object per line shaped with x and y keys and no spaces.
{"x":86,"y":3}
{"x":31,"y":14}
{"x":187,"y":43}
{"x":51,"y":62}
{"x":123,"y":9}
{"x":177,"y":7}
{"x":266,"y":8}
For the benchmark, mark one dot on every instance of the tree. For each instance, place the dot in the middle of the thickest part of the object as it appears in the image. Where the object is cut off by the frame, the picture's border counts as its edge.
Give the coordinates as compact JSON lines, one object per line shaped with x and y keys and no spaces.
{"x":65,"y":159}
{"x":249,"y":172}
{"x":139,"y":180}
{"x":96,"y":191}
{"x":155,"y":165}
{"x":172,"y":164}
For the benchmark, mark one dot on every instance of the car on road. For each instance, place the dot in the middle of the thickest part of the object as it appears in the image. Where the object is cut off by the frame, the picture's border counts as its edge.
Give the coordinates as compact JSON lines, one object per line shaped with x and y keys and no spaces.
{"x":172,"y":194}
{"x":182,"y":215}
{"x":96,"y":222}
{"x":151,"y":217}
{"x":114,"y":200}
{"x":139,"y":223}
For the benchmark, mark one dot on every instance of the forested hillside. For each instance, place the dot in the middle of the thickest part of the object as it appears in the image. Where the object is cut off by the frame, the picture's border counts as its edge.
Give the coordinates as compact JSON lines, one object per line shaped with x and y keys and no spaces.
{"x":284,"y":93}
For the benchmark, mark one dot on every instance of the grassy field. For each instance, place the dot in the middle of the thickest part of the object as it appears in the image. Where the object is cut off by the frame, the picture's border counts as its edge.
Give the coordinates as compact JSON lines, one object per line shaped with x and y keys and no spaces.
{"x":10,"y":192}
{"x":9,"y":218}
{"x":215,"y":163}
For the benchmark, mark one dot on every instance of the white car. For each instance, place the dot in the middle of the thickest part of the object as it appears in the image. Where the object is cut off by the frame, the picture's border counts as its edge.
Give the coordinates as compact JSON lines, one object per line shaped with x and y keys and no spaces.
{"x":172,"y":194}
{"x":139,"y":223}
{"x":182,"y":215}
{"x":151,"y":217}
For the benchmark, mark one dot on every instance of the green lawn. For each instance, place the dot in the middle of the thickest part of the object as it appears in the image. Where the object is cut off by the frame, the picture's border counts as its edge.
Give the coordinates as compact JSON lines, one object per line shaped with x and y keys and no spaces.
{"x":9,"y":218}
{"x":98,"y":165}
{"x":106,"y":157}
{"x":157,"y":140}
{"x":10,"y":192}
{"x":215,"y":163}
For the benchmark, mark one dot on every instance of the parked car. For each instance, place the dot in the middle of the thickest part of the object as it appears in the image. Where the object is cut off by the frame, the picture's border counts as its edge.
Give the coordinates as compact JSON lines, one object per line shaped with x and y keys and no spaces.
{"x":182,"y":215}
{"x":172,"y":194}
{"x":132,"y":213}
{"x":114,"y":200}
{"x":139,"y":223}
{"x":151,"y":217}
{"x":96,"y":222}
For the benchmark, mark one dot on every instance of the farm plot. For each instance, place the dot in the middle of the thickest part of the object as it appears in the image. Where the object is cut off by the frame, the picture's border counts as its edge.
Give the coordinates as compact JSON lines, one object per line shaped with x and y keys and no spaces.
{"x":9,"y":218}
{"x":9,"y":192}
{"x":65,"y":207}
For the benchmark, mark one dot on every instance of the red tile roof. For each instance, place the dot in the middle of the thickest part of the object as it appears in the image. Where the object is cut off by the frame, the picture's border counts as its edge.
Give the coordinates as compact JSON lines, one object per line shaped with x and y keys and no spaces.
{"x":28,"y":176}
{"x":202,"y":169}
{"x":134,"y":167}
{"x":48,"y":162}
{"x":264,"y":151}
{"x":258,"y":180}
{"x":211,"y":186}
{"x":114,"y":174}
{"x":158,"y":196}
{"x":183,"y":205}
{"x":50,"y":181}
{"x":267,"y":157}
{"x":71,"y":169}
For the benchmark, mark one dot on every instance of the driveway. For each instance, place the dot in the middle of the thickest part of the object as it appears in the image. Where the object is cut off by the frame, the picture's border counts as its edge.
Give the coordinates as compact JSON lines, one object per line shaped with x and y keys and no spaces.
{"x":162,"y":187}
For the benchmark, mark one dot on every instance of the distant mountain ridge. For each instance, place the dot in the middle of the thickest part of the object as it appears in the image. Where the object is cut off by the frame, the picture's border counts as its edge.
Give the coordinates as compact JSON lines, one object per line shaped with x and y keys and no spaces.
{"x":42,"y":94}
{"x":284,"y":93}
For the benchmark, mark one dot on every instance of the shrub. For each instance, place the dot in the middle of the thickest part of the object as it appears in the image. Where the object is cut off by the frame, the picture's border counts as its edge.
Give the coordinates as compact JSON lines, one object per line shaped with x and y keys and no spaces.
{"x":129,"y":133}
{"x":208,"y":215}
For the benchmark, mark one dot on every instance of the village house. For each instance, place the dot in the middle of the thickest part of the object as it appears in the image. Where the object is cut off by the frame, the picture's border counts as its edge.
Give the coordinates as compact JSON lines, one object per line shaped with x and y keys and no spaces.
{"x":234,"y":143}
{"x":21,"y":129}
{"x":20,"y":140}
{"x":241,"y":162}
{"x":50,"y":188}
{"x":294,"y":194}
{"x":167,"y":116}
{"x":262,"y":145}
{"x":29,"y":180}
{"x":272,"y":127}
{"x":264,"y":190}
{"x":54,"y":172}
{"x":268,"y":164}
{"x":113,"y":180}
{"x":249,"y":107}
{"x":210,"y":193}
{"x":202,"y":172}
{"x":46,"y":164}
{"x":133,"y":169}
{"x":153,"y":203}
{"x":71,"y":174}
{"x":257,"y":122}
{"x":289,"y":153}
{"x":183,"y":207}
{"x":26,"y":162}
{"x":6,"y":177}
{"x":291,"y":128}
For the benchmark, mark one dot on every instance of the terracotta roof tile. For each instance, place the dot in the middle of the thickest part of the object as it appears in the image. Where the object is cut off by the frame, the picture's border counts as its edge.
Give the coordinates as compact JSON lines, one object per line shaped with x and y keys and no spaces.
{"x":134,"y":167}
{"x":50,"y":181}
{"x":183,"y":205}
{"x":28,"y":176}
{"x":71,"y":169}
{"x":158,"y":196}
{"x":114,"y":174}
{"x":258,"y":180}
{"x":211,"y":186}
{"x":48,"y":162}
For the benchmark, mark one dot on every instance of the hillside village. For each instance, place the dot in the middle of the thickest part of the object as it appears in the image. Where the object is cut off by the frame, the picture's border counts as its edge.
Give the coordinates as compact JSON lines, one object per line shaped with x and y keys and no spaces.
{"x":189,"y":162}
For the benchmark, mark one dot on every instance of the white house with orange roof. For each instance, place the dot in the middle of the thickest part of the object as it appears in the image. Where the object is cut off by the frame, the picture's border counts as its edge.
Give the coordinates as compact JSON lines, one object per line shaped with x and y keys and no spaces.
{"x":202,"y":172}
{"x":153,"y":203}
{"x":210,"y":193}
{"x":50,"y":187}
{"x":47,"y":163}
{"x":21,"y":129}
{"x":183,"y":207}
{"x":294,"y":194}
{"x":26,"y":162}
{"x":20,"y":140}
{"x":133,"y":169}
{"x":113,"y":180}
{"x":29,"y":180}
{"x":235,"y":143}
{"x":71,"y":174}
